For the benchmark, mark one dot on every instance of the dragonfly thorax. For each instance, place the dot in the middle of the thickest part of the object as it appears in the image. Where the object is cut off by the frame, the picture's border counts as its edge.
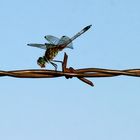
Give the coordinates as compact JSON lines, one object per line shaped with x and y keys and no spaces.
{"x":51,"y":53}
{"x":48,"y":57}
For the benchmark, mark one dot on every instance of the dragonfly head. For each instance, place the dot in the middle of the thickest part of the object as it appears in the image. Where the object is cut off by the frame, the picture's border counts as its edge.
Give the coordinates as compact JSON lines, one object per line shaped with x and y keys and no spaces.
{"x":41,"y":62}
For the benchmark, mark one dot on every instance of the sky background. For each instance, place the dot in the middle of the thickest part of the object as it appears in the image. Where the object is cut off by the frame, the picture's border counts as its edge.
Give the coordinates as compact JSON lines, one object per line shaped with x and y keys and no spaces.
{"x":61,"y":109}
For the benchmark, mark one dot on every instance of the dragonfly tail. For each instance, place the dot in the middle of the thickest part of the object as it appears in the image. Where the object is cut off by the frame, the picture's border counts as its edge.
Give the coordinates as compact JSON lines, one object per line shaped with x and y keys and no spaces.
{"x":79,"y":33}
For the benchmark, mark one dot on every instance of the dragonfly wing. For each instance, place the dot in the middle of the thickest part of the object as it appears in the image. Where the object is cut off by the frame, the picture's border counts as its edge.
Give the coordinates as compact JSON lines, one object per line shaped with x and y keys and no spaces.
{"x":65,"y":39}
{"x":52,"y":39}
{"x":41,"y":46}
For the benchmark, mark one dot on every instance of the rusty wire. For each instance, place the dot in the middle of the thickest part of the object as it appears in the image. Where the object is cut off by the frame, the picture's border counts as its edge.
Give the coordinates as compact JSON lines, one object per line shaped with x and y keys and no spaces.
{"x":70,"y":72}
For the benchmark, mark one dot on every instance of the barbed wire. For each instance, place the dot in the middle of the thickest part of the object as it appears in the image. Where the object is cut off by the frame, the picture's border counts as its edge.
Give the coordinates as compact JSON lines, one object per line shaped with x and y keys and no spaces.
{"x":81,"y":74}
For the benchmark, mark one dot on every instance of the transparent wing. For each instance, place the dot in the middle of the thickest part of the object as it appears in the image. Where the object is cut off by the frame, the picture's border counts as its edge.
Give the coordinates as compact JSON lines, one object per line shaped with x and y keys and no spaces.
{"x":41,"y":46}
{"x":52,"y":39}
{"x":65,"y":39}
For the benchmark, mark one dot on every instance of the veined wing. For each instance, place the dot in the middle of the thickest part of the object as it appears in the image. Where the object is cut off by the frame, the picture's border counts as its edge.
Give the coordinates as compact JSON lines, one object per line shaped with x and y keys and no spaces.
{"x":64,"y":40}
{"x":41,"y":46}
{"x":56,"y":41}
{"x":52,"y":39}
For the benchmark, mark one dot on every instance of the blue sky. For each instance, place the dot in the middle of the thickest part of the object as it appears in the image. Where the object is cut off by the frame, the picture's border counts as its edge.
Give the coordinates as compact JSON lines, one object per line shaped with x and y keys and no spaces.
{"x":60,"y":109}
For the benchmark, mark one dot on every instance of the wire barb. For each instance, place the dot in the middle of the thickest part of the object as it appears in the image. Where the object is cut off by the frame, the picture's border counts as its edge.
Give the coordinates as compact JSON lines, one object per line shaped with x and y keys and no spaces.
{"x":71,"y":70}
{"x":70,"y":73}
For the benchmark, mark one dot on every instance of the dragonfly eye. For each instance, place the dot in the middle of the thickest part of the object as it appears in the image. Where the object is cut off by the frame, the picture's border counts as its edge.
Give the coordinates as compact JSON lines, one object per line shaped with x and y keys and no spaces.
{"x":41,"y":62}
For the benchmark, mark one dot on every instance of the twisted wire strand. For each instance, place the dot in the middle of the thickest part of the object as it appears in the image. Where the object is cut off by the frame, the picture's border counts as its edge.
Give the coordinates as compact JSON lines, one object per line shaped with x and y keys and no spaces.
{"x":81,"y":74}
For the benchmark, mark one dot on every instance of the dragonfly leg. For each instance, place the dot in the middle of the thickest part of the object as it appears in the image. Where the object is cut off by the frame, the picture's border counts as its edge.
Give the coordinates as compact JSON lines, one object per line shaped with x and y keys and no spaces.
{"x":57,"y":61}
{"x":55,"y":65}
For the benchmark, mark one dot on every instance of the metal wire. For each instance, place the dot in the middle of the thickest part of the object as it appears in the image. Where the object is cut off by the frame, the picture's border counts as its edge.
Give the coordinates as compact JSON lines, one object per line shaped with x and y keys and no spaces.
{"x":81,"y":74}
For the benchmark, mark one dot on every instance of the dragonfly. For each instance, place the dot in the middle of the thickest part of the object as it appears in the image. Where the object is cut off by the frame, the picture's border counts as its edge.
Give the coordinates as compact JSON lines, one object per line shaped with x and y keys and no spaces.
{"x":54,"y":46}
